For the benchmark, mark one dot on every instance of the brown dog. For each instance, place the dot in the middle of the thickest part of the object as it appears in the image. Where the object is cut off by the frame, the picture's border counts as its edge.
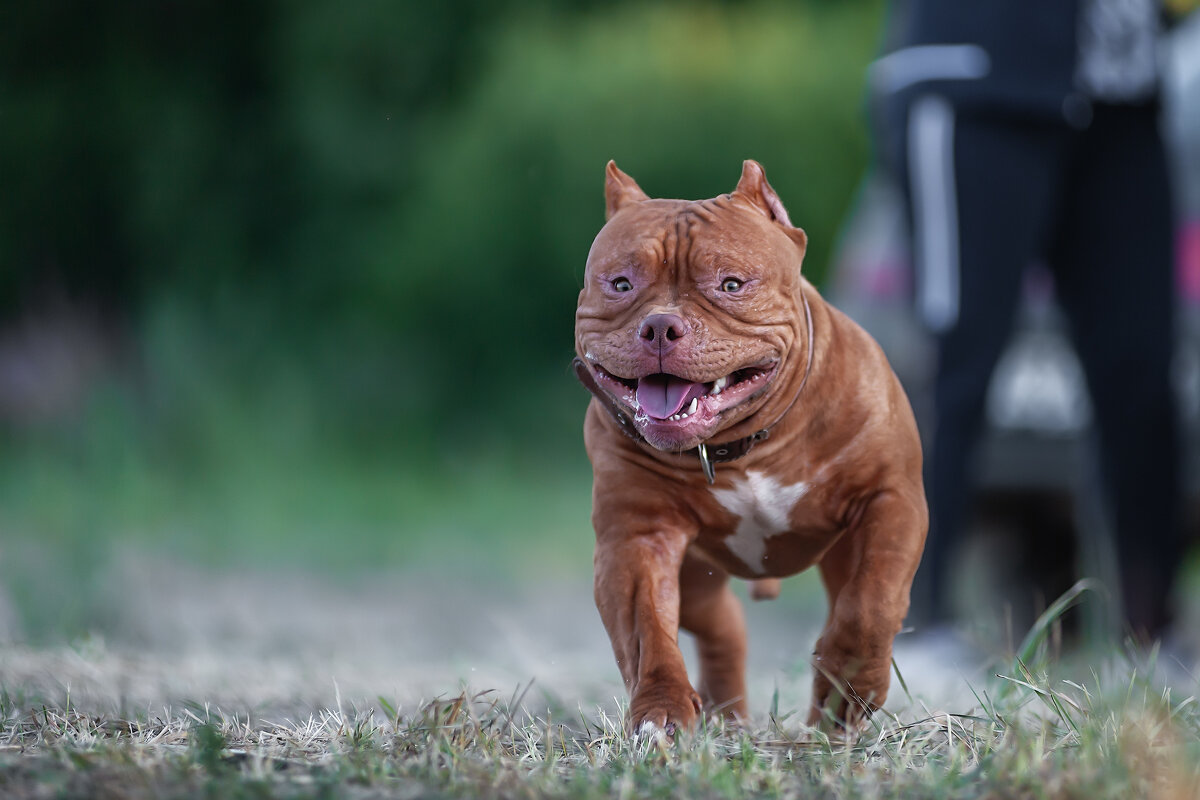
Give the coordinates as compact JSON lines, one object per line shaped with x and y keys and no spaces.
{"x":740,"y":426}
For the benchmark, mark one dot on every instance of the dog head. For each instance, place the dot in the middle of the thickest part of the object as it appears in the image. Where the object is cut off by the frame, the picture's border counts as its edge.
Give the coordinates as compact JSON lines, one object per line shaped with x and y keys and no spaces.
{"x":691,"y":312}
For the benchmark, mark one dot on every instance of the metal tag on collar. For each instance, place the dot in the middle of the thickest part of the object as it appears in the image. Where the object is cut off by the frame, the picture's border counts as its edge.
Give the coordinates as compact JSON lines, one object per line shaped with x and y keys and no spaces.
{"x":710,"y":472}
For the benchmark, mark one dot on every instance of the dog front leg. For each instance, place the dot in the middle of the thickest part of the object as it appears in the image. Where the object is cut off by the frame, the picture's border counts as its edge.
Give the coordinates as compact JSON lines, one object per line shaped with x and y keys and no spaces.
{"x":637,"y":594}
{"x":867,"y":576}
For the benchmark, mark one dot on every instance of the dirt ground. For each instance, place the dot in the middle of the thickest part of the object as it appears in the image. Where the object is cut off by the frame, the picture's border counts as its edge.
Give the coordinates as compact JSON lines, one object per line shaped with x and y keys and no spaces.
{"x":284,"y":645}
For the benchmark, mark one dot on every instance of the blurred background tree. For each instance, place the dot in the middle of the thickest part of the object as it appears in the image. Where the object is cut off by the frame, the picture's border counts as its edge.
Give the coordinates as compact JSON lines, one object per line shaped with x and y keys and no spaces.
{"x":316,"y":265}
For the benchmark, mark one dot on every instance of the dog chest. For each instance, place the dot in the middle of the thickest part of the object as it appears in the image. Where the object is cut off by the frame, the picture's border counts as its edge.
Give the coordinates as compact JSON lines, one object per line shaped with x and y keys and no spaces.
{"x":763,"y":507}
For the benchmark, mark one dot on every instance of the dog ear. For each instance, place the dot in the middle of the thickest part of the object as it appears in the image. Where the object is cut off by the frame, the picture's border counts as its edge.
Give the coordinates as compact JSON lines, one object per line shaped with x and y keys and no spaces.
{"x":754,"y":189}
{"x":619,"y":190}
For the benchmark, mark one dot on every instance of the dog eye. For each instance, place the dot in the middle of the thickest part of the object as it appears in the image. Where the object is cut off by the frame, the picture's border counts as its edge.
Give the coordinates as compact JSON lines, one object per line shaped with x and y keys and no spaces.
{"x":622,"y":284}
{"x":730,"y":285}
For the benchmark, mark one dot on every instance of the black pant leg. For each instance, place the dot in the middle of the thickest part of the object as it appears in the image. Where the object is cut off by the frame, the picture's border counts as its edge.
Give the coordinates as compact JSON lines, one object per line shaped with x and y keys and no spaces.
{"x":1113,"y":260}
{"x":1003,"y":182}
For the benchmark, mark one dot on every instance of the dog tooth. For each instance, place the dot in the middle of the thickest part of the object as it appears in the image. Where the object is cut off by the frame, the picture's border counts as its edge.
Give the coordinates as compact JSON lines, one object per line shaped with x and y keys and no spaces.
{"x":694,"y":406}
{"x":720,"y":384}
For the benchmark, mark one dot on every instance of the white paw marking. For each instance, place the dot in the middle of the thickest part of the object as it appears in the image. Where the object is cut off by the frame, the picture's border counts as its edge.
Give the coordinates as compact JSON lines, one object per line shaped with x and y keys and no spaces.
{"x":648,"y":728}
{"x":763,"y":506}
{"x":651,"y":733}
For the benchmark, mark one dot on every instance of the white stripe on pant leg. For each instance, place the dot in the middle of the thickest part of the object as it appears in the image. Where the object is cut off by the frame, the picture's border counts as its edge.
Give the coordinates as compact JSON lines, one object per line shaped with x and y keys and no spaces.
{"x":935,"y":210}
{"x":928,"y":62}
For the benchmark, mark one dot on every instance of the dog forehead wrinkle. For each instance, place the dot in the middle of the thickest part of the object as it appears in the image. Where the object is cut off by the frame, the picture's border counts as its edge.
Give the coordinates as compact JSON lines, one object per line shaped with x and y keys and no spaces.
{"x":763,"y":506}
{"x":617,"y":249}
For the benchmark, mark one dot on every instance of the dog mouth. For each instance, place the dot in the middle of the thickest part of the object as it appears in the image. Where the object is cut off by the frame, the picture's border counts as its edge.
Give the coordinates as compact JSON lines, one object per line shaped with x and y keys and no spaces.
{"x":662,"y":399}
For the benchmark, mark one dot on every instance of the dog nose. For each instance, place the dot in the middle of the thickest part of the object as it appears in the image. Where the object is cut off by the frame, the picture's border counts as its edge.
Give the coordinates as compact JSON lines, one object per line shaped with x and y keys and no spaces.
{"x":660,"y":332}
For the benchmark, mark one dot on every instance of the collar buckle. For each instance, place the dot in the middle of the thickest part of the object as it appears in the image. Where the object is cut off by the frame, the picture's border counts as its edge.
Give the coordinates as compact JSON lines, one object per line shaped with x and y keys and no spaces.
{"x":710,"y":471}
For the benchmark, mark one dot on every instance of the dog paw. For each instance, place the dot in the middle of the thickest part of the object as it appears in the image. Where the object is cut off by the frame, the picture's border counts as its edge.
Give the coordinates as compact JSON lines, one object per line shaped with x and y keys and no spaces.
{"x":663,"y":710}
{"x":847,"y":689}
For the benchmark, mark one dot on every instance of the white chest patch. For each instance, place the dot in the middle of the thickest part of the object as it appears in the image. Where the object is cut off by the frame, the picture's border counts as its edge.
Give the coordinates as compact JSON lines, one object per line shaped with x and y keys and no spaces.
{"x":762,"y":505}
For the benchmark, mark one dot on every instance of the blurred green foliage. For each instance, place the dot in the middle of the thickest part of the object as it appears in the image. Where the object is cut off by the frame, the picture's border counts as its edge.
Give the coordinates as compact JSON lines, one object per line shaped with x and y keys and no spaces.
{"x":385,"y":207}
{"x":343,"y":245}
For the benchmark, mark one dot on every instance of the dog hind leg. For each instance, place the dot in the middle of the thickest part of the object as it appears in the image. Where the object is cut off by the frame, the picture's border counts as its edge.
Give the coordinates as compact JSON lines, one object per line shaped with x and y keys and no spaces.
{"x":713,"y":614}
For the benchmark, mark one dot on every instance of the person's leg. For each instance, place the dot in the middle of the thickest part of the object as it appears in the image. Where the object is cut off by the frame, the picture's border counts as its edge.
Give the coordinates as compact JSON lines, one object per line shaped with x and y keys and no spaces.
{"x":980,"y":190}
{"x":1114,"y":263}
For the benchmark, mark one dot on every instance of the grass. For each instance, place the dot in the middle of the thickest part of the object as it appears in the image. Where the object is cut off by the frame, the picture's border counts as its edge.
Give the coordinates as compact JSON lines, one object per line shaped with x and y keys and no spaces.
{"x":1034,"y":733}
{"x":71,"y":512}
{"x":1119,"y":739}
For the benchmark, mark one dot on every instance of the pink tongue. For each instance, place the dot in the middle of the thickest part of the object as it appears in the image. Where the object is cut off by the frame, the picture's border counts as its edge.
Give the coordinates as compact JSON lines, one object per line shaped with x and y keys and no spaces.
{"x":663,"y":395}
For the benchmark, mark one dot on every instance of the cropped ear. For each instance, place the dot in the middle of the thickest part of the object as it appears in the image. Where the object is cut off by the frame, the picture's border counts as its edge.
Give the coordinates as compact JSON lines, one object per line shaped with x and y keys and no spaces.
{"x":754,"y":189}
{"x":619,"y":190}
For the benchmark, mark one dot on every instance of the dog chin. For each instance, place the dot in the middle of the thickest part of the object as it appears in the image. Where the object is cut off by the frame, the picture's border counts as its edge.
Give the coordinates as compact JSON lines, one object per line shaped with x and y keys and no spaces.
{"x":673,"y":437}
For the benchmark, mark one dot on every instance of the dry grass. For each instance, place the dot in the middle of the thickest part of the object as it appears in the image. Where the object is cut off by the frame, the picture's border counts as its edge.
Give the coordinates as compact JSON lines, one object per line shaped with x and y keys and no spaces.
{"x":93,"y":720}
{"x":1031,"y":735}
